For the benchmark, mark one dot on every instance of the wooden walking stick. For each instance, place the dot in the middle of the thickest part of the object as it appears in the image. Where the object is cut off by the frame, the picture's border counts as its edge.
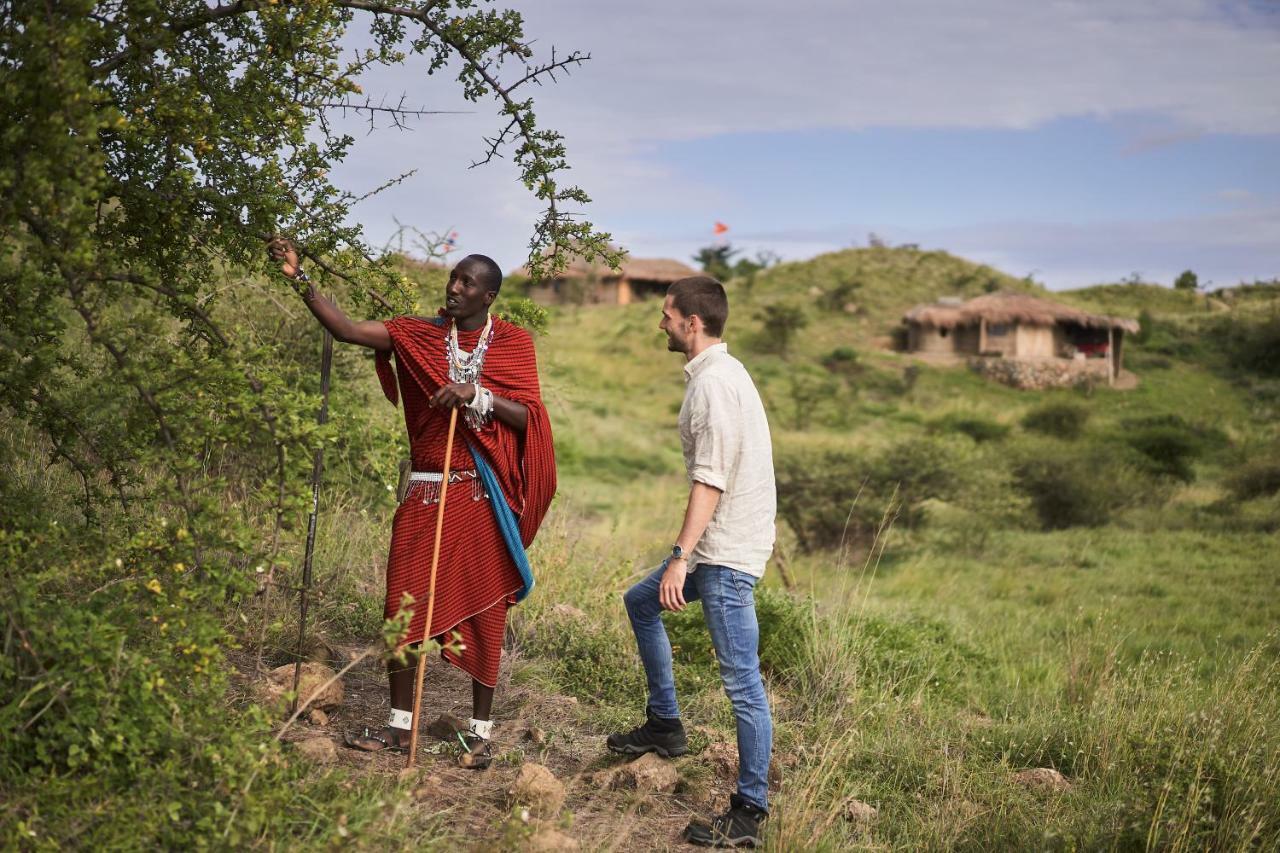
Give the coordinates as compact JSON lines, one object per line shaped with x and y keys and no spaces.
{"x":431,"y":590}
{"x":317,"y":469}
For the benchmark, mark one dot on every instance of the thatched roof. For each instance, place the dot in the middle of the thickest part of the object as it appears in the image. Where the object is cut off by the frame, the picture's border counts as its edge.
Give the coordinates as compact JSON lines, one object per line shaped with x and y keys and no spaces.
{"x":665,"y":270}
{"x":656,"y":269}
{"x":1009,"y":307}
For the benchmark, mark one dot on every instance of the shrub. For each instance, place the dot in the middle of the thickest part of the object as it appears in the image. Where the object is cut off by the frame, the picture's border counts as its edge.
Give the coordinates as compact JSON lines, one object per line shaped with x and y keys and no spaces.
{"x":778,"y":326}
{"x":838,"y":496}
{"x":1077,"y":490}
{"x":1167,"y":450}
{"x":978,"y":428}
{"x":842,"y":360}
{"x":1252,"y":346}
{"x":1061,"y":420}
{"x":1256,"y":478}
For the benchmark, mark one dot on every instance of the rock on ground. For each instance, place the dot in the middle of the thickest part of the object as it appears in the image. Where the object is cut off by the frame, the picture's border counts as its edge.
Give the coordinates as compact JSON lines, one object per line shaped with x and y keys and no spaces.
{"x":650,"y":772}
{"x":280,"y":681}
{"x":547,"y":839}
{"x":538,"y":789}
{"x":319,"y":749}
{"x":856,"y":811}
{"x":567,"y":611}
{"x":318,"y":717}
{"x":1042,"y":779}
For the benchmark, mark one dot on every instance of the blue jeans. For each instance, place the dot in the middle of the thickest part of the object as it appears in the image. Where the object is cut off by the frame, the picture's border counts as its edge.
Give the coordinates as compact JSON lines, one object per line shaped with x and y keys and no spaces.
{"x":729,"y":608}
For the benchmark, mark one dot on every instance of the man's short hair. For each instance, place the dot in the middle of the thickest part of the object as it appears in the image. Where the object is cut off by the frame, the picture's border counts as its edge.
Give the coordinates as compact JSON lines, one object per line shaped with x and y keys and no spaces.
{"x":704,"y":296}
{"x":488,"y":272}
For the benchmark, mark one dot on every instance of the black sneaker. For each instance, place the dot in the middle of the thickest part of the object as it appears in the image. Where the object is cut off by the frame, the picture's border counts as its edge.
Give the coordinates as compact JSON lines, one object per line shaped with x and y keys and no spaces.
{"x":658,"y":734}
{"x":738,"y":827}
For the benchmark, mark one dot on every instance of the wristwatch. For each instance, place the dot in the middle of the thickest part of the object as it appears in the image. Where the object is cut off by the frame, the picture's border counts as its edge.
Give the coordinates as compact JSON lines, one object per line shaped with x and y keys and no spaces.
{"x":677,"y":553}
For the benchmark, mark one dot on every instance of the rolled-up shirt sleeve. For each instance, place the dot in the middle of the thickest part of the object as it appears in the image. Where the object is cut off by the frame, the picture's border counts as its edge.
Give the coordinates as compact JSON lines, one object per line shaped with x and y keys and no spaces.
{"x":717,"y":435}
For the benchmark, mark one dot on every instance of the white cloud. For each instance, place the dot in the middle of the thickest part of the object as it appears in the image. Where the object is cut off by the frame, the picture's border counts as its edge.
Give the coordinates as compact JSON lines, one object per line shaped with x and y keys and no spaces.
{"x":669,"y":70}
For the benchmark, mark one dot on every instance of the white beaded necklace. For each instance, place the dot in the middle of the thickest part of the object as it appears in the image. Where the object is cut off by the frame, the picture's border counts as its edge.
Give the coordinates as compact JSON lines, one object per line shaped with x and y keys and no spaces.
{"x":466,"y":366}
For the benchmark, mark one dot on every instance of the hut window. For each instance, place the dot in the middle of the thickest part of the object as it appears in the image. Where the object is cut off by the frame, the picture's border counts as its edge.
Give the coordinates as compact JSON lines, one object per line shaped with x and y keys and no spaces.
{"x":943,"y":332}
{"x":997,"y":329}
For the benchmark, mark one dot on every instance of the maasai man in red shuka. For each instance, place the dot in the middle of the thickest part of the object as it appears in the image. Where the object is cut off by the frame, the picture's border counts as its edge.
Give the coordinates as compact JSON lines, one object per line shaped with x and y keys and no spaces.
{"x":502,"y":478}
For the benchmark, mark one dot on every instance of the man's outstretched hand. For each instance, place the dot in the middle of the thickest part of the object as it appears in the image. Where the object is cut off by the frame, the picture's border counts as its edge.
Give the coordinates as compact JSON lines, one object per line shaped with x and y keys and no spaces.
{"x":282,"y":249}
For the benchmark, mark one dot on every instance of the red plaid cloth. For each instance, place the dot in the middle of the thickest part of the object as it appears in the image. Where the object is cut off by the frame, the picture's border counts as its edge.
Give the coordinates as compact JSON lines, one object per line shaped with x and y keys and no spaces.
{"x":476,"y":579}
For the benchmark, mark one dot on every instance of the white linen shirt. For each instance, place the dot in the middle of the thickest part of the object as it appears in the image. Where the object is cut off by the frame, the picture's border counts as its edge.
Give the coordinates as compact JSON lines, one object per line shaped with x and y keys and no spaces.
{"x":725,"y":437}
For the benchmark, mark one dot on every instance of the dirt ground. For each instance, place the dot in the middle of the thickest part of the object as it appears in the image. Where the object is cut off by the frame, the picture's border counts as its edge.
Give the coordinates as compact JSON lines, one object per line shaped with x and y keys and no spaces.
{"x":529,"y":727}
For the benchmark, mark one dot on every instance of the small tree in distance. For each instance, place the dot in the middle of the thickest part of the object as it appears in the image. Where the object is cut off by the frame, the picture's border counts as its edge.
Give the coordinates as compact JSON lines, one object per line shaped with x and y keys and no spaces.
{"x":1187,"y":281}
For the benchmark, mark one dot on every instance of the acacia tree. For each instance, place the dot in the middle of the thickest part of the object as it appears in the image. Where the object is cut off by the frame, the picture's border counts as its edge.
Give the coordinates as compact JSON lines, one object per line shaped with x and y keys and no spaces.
{"x":148,"y":146}
{"x":147,"y":150}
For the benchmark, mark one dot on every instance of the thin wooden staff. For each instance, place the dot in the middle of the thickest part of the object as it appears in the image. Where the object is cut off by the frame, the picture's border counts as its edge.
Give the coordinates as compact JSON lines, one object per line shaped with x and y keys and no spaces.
{"x":431,"y":590}
{"x":317,"y":469}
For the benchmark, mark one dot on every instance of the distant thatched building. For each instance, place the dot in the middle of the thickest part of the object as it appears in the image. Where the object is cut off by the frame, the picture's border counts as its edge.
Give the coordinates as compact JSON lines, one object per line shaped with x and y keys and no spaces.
{"x":584,"y":283}
{"x":1019,"y":327}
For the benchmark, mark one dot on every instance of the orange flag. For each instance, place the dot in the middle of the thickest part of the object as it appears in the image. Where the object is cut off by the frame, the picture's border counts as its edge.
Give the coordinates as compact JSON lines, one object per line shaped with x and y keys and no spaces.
{"x":719,"y":227}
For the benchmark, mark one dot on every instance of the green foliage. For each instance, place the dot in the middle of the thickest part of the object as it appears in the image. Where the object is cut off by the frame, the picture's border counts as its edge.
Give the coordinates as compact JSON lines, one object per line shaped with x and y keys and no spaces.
{"x":715,"y":260}
{"x":835,"y":497}
{"x":586,"y":659}
{"x":1255,"y":478}
{"x":1080,"y":488}
{"x":1186,"y":281}
{"x":1252,"y":345}
{"x":979,"y":428}
{"x":779,"y":324}
{"x":523,"y":312}
{"x":1058,"y":419}
{"x":1167,"y":444}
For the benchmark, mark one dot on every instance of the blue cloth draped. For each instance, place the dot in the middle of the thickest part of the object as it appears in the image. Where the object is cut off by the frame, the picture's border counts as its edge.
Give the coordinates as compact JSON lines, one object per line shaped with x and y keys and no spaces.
{"x":506,"y":522}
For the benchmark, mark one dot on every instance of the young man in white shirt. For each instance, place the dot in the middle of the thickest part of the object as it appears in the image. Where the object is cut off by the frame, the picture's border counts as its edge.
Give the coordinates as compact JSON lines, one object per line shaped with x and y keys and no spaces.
{"x":718,"y":556}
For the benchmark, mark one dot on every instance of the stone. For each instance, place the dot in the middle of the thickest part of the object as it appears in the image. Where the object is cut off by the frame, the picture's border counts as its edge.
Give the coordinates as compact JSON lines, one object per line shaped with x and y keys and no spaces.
{"x":537,"y":789}
{"x":318,"y":749}
{"x":318,"y":717}
{"x":447,"y":726}
{"x":856,"y":811}
{"x":650,"y":772}
{"x":723,"y":758}
{"x":1042,"y":779}
{"x":535,"y":735}
{"x":548,"y":839}
{"x":567,"y":611}
{"x":314,"y":675}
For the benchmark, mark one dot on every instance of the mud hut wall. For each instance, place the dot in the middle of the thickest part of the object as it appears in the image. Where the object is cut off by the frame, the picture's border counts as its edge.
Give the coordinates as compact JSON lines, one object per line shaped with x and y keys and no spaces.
{"x":543,"y":293}
{"x":1034,"y":341}
{"x":965,"y":339}
{"x":1001,"y":338}
{"x":931,"y":339}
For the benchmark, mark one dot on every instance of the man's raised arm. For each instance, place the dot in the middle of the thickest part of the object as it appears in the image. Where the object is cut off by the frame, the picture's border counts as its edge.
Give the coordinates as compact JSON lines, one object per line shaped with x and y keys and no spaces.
{"x":366,"y":333}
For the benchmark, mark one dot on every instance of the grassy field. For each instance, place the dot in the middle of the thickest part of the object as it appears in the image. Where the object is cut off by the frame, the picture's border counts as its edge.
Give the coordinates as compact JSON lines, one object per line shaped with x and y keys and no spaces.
{"x":970,"y":582}
{"x":920,"y":671}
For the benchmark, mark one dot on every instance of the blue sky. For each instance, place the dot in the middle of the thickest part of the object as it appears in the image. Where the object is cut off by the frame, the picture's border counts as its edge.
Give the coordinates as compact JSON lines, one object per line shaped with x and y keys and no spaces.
{"x":1080,"y":141}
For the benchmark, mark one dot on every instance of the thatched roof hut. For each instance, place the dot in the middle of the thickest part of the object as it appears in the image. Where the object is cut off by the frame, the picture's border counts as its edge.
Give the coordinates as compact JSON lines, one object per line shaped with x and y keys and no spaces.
{"x":583,"y":282}
{"x":1017,"y":326}
{"x":1011,"y":308}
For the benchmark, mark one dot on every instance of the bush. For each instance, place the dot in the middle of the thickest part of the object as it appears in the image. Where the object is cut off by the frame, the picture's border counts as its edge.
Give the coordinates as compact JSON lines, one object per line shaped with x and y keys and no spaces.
{"x":1256,"y":478}
{"x":978,"y":428}
{"x":1077,"y":490}
{"x":1252,"y":346}
{"x":838,"y":496}
{"x":1167,"y":444}
{"x":1061,"y":420}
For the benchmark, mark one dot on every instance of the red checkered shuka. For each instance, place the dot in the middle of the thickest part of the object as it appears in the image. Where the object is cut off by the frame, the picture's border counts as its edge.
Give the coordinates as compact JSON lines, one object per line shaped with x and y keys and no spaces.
{"x":476,"y":579}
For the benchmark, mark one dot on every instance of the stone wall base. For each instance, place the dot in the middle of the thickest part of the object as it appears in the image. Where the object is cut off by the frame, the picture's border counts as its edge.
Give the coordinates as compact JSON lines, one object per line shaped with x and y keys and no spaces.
{"x":1043,"y":373}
